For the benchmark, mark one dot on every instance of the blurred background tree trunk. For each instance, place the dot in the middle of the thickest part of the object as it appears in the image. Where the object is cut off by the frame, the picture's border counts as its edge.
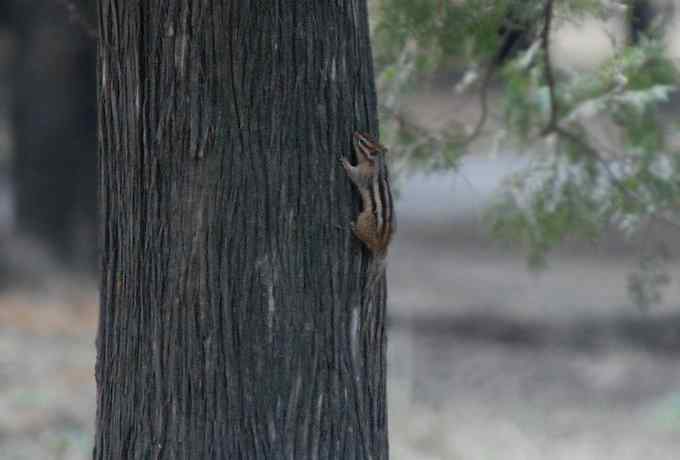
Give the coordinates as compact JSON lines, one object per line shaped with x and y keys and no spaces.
{"x":640,"y":19}
{"x":233,"y":317}
{"x":54,"y":130}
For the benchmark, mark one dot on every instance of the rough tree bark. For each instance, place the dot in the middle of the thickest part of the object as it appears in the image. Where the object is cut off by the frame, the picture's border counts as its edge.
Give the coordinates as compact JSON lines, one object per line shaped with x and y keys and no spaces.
{"x":233,"y":318}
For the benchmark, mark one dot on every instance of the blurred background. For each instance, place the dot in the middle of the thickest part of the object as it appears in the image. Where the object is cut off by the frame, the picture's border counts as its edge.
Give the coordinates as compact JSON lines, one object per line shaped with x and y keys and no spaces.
{"x":538,"y":347}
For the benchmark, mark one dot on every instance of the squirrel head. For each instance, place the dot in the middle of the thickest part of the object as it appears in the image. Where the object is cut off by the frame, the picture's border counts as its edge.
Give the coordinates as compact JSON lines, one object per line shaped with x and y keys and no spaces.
{"x":367,"y":147}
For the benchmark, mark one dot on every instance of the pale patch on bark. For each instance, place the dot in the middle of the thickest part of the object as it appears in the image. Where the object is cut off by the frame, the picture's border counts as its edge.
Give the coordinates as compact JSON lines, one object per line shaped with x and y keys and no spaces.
{"x":333,"y":69}
{"x":268,"y":277}
{"x":181,"y":54}
{"x":105,"y":72}
{"x":354,"y":332}
{"x":272,"y":428}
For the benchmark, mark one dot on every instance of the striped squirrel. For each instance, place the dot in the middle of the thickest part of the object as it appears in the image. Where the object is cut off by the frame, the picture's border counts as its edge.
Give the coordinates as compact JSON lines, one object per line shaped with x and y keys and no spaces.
{"x":376,"y":224}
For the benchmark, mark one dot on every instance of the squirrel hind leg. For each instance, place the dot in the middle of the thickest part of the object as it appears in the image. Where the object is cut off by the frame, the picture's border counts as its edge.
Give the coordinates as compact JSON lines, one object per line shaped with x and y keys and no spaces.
{"x":364,"y":229}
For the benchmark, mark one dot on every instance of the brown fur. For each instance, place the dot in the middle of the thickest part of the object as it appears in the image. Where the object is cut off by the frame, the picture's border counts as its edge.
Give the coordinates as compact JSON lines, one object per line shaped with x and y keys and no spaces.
{"x":369,"y":175}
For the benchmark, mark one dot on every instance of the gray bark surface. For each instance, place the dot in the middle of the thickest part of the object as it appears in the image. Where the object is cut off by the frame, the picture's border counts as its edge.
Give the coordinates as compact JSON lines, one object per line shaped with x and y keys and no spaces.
{"x":234,"y":322}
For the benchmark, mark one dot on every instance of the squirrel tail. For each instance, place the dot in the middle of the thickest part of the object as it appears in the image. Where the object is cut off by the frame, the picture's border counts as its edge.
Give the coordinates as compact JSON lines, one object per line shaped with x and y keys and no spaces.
{"x":376,"y":271}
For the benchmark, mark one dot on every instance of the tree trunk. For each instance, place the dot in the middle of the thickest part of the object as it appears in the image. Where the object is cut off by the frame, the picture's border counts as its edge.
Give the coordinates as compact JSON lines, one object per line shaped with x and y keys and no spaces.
{"x":54,"y":125}
{"x":234,"y":321}
{"x":641,"y":16}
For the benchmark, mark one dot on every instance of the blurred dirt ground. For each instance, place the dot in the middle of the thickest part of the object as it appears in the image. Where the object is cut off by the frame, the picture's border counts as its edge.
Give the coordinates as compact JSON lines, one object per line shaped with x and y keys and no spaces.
{"x":47,"y":392}
{"x":490,"y":362}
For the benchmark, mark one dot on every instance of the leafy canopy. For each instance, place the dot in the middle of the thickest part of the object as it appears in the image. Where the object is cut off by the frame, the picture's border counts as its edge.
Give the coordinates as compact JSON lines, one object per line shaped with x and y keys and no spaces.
{"x":598,"y":143}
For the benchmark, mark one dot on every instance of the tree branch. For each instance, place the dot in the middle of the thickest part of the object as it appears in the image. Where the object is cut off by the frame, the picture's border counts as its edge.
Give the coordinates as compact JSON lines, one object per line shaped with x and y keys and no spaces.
{"x":419,"y":131}
{"x":627,"y":193}
{"x":553,"y":126}
{"x":548,"y":67}
{"x":403,"y":122}
{"x":490,"y":71}
{"x":483,"y":104}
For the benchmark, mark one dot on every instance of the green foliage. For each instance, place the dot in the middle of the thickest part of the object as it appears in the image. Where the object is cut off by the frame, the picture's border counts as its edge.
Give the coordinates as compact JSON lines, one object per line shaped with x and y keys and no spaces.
{"x":596,"y":142}
{"x":447,"y":29}
{"x":524,"y":101}
{"x":550,"y":199}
